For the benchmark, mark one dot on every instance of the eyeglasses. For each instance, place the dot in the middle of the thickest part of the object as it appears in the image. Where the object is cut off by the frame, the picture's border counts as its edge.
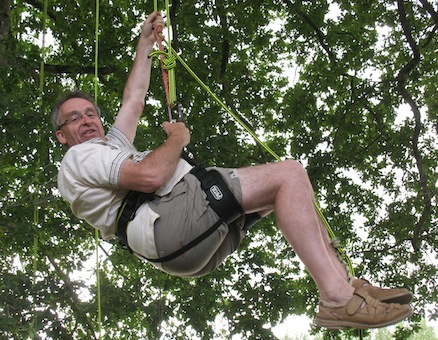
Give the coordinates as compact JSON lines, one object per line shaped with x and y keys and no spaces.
{"x":77,"y":117}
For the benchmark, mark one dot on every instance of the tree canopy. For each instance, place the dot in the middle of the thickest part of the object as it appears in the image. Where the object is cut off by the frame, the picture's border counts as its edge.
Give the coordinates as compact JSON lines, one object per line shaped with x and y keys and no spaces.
{"x":346,"y":87}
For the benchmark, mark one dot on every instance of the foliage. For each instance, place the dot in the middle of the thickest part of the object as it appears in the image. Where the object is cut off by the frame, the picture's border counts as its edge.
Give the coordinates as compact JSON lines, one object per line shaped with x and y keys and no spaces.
{"x":346,"y":87}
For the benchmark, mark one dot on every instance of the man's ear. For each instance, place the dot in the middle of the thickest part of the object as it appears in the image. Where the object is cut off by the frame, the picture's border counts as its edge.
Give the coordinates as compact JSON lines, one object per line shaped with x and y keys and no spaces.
{"x":61,"y":137}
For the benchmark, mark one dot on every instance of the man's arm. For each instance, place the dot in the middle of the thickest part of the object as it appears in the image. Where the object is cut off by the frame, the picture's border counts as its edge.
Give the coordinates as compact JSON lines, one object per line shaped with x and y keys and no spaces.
{"x":158,"y":166}
{"x":138,"y":81}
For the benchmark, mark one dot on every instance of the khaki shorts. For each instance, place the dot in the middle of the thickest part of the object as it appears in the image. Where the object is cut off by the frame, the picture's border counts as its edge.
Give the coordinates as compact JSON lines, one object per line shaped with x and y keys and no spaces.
{"x":184,"y":215}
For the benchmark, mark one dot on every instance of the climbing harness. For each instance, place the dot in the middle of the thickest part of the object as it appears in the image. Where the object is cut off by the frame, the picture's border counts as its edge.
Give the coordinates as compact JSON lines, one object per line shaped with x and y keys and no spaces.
{"x":219,"y":196}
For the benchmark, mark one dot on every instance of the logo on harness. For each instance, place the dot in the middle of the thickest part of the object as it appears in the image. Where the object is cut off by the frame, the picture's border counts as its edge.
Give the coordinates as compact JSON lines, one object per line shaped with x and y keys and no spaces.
{"x":216,"y":192}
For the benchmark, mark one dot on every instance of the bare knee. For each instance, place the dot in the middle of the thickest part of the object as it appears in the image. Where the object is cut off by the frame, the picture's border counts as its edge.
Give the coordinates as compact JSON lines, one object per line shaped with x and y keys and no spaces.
{"x":261,"y":184}
{"x":296,"y":173}
{"x":294,"y":167}
{"x":292,"y":164}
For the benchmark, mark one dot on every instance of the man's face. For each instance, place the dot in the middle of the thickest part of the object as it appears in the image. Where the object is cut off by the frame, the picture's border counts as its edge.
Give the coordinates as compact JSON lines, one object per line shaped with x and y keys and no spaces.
{"x":79,"y":122}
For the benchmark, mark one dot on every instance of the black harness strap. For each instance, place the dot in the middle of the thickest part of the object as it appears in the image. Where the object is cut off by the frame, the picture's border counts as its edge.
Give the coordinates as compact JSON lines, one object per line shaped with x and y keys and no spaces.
{"x":132,"y":201}
{"x":220,"y":197}
{"x":189,"y":245}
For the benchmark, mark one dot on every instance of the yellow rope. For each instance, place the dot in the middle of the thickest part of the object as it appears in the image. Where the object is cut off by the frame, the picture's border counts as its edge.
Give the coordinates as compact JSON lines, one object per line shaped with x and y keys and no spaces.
{"x":96,"y":233}
{"x":33,"y":325}
{"x":170,"y":65}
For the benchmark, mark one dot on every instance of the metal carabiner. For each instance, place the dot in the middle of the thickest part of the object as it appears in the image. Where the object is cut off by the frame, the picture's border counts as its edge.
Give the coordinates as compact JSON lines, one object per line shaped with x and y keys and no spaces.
{"x":179,"y":112}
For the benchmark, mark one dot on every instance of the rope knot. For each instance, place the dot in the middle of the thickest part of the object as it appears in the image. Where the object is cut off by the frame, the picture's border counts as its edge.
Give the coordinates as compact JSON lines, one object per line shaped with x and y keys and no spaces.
{"x":169,"y":61}
{"x":336,"y":242}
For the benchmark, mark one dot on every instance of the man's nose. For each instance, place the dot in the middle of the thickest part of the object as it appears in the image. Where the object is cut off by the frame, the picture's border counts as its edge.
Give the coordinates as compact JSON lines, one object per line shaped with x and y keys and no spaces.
{"x":85,"y":119}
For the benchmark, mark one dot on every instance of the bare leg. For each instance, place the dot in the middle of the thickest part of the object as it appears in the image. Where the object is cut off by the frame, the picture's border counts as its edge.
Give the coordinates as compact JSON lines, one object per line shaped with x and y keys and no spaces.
{"x":285,"y":188}
{"x":332,"y":252}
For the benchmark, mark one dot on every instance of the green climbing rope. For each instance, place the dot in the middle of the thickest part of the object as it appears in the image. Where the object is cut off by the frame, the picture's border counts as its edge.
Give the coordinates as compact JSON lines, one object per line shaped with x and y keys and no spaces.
{"x":32,"y":325}
{"x":171,"y":61}
{"x":96,"y":234}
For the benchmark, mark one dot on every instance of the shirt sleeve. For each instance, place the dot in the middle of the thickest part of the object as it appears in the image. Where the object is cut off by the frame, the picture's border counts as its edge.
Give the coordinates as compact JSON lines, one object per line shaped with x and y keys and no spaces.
{"x":94,"y":165}
{"x":89,"y":179}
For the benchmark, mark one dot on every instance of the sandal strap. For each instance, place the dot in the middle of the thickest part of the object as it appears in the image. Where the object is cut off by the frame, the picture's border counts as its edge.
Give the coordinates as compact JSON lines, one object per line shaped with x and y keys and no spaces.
{"x":361,"y":282}
{"x":360,"y":296}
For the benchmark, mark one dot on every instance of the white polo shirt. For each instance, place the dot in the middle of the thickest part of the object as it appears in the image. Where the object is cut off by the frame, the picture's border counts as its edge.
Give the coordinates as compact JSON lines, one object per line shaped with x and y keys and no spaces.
{"x":89,"y":179}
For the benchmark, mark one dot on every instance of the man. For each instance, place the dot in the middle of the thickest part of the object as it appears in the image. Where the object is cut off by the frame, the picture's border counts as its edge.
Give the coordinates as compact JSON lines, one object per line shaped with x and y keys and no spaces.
{"x":99,"y":170}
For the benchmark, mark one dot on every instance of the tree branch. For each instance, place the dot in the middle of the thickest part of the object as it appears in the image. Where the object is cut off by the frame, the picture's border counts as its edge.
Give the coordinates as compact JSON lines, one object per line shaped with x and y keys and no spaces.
{"x":429,"y":8}
{"x":75,"y":69}
{"x":173,"y":22}
{"x":407,"y":30}
{"x":395,"y":245}
{"x":401,"y":79}
{"x":225,"y":53}
{"x":5,"y":19}
{"x":40,"y":6}
{"x":75,"y":302}
{"x":388,"y":248}
{"x":321,"y":37}
{"x":225,"y":56}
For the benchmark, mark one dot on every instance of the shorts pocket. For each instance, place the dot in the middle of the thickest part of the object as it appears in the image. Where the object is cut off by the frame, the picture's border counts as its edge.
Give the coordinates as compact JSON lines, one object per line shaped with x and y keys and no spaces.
{"x":179,"y":189}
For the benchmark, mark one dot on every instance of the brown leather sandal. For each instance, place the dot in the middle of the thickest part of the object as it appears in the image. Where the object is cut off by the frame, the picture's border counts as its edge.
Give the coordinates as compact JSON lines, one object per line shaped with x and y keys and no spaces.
{"x":362,"y":312}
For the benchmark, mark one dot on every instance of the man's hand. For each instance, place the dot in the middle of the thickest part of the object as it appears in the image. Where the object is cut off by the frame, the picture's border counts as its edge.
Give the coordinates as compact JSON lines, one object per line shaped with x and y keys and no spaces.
{"x":177,"y":131}
{"x":153,"y":20}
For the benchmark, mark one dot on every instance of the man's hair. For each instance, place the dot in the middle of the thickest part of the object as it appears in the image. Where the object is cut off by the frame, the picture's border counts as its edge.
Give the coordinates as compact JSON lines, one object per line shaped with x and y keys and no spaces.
{"x":66,"y":96}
